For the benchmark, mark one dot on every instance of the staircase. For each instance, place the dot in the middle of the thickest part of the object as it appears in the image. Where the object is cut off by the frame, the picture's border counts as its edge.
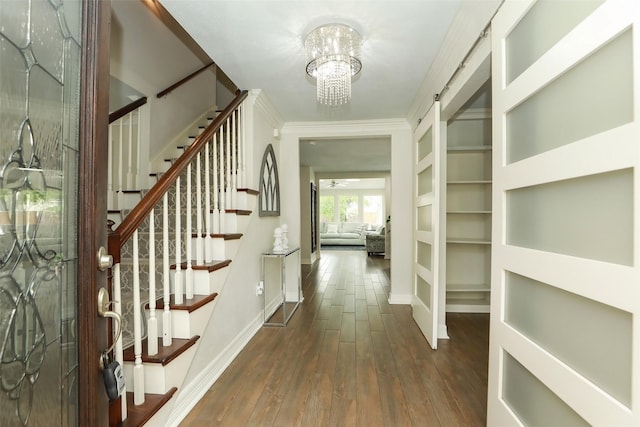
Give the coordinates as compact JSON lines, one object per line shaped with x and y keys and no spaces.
{"x":172,"y":254}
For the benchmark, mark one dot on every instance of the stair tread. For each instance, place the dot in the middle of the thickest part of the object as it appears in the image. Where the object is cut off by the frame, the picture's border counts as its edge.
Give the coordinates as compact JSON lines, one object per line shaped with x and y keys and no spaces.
{"x":139,"y":415}
{"x":165,"y":354}
{"x":225,"y":236}
{"x":189,"y":305}
{"x":244,"y":212}
{"x":249,"y":191}
{"x":208,"y":266}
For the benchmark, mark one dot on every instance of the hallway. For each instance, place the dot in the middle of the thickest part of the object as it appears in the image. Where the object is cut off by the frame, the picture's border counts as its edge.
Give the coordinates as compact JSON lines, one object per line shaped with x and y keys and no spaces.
{"x":347,"y":357}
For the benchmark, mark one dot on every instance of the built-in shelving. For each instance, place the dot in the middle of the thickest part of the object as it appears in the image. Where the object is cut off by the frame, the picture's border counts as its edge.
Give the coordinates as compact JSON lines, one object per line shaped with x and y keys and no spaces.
{"x":468,"y":230}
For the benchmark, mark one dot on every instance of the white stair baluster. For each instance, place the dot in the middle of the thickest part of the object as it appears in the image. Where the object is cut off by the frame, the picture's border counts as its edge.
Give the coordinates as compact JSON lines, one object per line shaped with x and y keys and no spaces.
{"x":137,"y":177}
{"x":216,"y":206}
{"x":243,"y":148}
{"x":227,"y":187}
{"x":138,"y":369}
{"x":199,"y":239}
{"x":117,"y":307}
{"x":152,"y":323}
{"x":110,"y":197}
{"x":167,"y":334}
{"x":208,"y":249}
{"x":234,"y":160}
{"x":220,"y":189}
{"x":120,"y":157}
{"x":130,"y":151}
{"x":178,"y":291}
{"x":189,"y":239}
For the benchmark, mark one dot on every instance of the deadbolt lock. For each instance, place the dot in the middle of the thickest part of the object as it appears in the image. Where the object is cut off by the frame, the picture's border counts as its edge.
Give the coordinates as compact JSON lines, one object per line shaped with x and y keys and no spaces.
{"x":105,"y":260}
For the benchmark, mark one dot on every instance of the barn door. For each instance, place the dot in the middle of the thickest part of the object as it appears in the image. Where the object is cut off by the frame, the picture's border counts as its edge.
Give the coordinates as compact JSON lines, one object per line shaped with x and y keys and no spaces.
{"x":565,"y":328}
{"x":430,"y":152}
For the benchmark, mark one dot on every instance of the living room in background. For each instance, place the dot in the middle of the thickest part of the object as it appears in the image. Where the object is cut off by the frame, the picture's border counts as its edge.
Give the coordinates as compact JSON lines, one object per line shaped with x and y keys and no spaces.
{"x":350,"y":209}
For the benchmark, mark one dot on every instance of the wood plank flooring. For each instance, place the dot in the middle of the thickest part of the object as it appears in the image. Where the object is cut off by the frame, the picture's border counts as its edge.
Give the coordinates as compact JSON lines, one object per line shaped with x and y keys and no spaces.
{"x":348,"y":358}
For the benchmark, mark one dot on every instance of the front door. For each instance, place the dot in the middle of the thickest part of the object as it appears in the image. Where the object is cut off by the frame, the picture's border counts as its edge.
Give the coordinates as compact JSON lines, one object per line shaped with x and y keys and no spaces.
{"x":565,"y":309}
{"x":52,"y":217}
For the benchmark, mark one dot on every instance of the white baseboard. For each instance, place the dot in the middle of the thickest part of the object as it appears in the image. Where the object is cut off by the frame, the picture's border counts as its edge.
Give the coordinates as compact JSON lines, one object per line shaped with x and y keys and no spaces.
{"x":442,"y":332}
{"x":192,"y":392}
{"x":400,"y":298}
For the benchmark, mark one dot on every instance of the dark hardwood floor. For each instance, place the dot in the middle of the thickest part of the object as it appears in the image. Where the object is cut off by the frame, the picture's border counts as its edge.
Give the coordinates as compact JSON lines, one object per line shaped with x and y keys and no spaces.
{"x":348,"y":358}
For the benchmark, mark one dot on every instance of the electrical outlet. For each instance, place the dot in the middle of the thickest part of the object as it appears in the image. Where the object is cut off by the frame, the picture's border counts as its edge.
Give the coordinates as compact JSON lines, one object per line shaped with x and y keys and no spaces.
{"x":260,"y":289}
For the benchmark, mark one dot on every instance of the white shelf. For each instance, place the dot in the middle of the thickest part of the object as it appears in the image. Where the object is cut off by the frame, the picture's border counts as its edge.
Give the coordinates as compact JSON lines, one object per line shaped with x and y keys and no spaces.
{"x":469,"y":241}
{"x":470,"y":182}
{"x":468,"y":221}
{"x":455,"y":305}
{"x":469,"y":212}
{"x":467,"y":288}
{"x":470,"y":148}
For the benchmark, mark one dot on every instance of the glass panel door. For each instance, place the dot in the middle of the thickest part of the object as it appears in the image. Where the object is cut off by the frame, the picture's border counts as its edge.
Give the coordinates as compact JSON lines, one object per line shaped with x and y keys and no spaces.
{"x":565,"y":331}
{"x":39,"y":109}
{"x":430,"y":179}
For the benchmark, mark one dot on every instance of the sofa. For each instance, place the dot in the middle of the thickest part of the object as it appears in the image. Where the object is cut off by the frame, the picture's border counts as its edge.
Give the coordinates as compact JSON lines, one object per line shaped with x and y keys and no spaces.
{"x":343,"y":233}
{"x":375,"y":242}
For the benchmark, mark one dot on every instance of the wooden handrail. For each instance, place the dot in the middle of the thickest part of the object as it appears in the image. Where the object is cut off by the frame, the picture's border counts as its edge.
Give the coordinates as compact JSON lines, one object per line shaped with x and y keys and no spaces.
{"x":131,"y":223}
{"x":121,"y":112}
{"x":183,"y":81}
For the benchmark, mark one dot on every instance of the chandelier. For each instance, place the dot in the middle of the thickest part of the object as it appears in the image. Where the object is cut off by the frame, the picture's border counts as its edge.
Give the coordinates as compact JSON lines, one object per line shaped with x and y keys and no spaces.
{"x":333,"y":57}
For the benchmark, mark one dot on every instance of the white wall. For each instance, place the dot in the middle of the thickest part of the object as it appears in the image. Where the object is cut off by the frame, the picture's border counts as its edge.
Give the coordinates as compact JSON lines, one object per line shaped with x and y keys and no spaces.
{"x":238,"y":311}
{"x":469,"y":22}
{"x":149,"y":57}
{"x":400,"y":193}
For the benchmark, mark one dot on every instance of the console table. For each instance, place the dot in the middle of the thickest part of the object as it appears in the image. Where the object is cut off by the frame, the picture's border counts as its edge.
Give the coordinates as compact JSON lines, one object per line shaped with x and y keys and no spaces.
{"x":290,"y":293}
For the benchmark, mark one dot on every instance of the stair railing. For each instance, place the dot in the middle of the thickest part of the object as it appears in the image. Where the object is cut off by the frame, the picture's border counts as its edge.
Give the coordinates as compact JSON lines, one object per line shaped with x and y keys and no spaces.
{"x":223,"y":140}
{"x":124,"y":167}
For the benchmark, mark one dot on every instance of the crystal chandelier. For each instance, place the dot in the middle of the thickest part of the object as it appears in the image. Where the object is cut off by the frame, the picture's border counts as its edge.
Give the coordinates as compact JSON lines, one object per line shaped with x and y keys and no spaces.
{"x":333,"y":57}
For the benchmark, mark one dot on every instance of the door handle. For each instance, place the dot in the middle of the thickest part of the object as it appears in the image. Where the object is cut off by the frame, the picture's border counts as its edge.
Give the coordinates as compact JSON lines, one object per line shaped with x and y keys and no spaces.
{"x":105,"y":260}
{"x":103,"y":311}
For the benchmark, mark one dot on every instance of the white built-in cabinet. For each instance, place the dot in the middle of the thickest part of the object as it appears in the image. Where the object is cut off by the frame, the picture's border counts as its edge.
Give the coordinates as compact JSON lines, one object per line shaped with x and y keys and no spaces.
{"x":468,"y":212}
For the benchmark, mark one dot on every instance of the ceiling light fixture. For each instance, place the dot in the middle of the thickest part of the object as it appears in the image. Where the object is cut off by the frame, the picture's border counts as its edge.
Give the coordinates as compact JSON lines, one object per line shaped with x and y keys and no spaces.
{"x":333,"y":57}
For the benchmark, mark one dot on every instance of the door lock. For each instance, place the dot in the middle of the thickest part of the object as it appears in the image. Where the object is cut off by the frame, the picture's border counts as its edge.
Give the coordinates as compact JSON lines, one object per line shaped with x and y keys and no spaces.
{"x":112,"y":372}
{"x":103,"y":305}
{"x":105,"y":260}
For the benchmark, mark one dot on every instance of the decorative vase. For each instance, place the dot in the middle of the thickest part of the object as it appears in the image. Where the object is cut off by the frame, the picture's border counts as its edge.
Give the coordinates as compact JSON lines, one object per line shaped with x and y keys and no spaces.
{"x":285,"y":239}
{"x":277,"y":240}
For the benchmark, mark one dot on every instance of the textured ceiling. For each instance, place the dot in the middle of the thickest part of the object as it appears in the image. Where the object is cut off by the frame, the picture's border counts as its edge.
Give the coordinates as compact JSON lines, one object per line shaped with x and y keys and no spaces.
{"x":259,"y":45}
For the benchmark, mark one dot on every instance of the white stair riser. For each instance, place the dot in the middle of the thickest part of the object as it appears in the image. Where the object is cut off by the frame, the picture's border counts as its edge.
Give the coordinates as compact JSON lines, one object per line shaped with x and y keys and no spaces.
{"x":243,"y":200}
{"x":204,"y":282}
{"x":230,"y":223}
{"x":127,"y":200}
{"x":187,"y":324}
{"x":159,"y":379}
{"x":224,"y":249}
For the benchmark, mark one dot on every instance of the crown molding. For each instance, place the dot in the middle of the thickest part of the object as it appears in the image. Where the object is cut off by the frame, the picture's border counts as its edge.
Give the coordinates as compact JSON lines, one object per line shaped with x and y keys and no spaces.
{"x":260,"y":100}
{"x":346,"y":128}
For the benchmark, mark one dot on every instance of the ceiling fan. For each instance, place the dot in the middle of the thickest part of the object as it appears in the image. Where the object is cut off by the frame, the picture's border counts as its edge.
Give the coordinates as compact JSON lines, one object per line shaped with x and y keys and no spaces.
{"x":334,"y":184}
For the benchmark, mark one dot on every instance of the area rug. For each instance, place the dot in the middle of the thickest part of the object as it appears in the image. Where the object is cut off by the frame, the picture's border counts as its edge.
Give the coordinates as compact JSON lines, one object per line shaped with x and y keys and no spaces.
{"x":341,"y":248}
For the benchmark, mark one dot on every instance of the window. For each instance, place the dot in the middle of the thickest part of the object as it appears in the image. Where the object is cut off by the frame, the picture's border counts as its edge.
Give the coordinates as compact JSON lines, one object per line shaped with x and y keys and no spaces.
{"x":327,"y":209}
{"x":373,"y":209}
{"x":348,"y":208}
